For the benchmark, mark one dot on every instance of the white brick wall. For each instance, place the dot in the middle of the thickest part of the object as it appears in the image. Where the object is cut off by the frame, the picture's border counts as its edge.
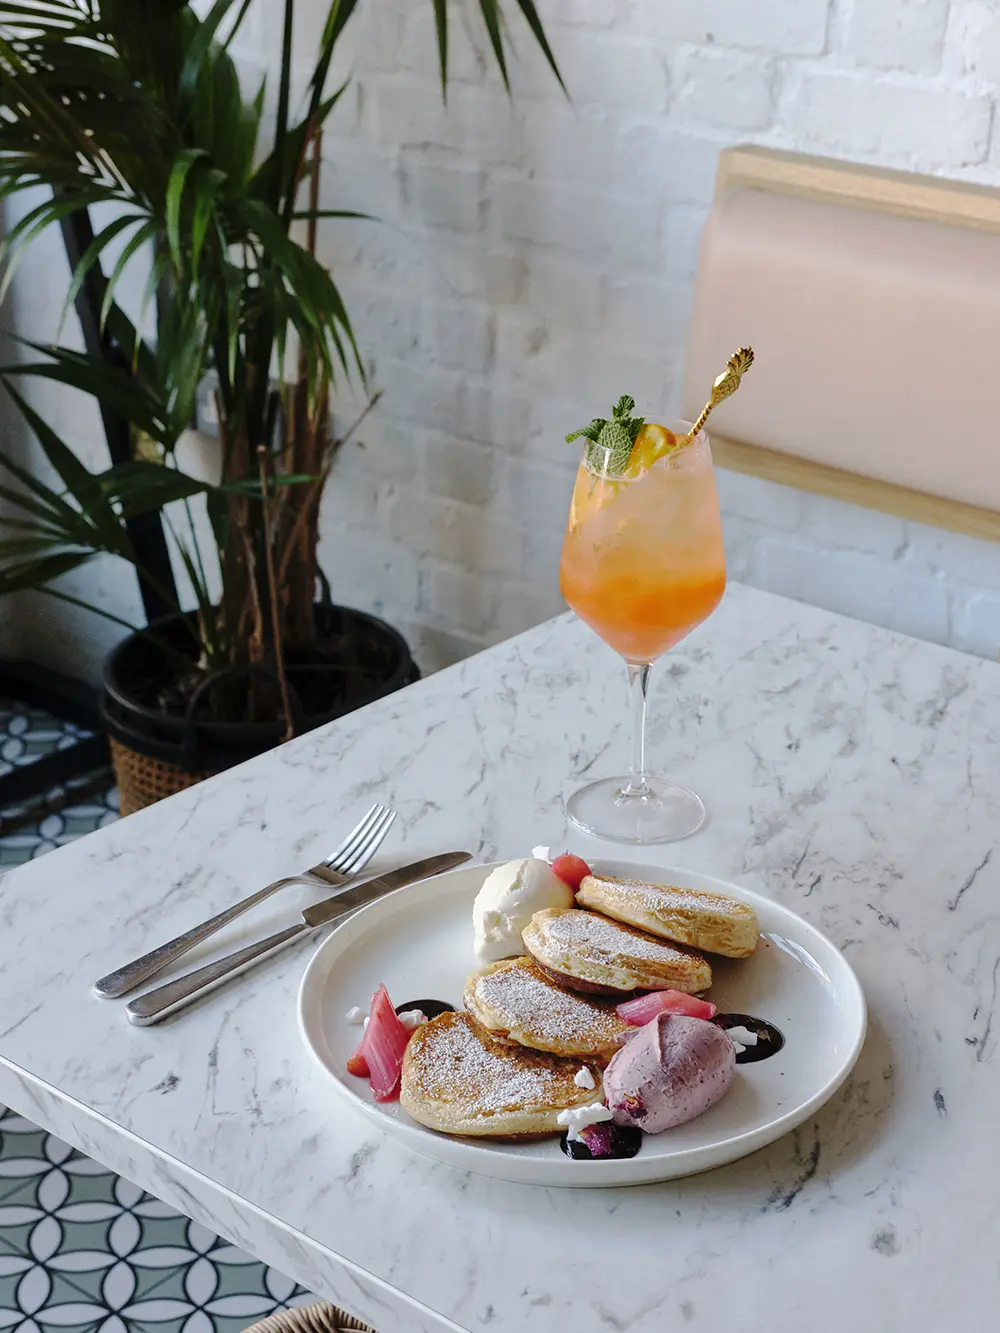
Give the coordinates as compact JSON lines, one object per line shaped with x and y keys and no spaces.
{"x":537,"y":260}
{"x":578,"y":243}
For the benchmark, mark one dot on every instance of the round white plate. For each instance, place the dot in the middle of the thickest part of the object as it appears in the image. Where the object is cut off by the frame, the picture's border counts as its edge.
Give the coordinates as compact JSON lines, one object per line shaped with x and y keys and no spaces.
{"x":418,"y":941}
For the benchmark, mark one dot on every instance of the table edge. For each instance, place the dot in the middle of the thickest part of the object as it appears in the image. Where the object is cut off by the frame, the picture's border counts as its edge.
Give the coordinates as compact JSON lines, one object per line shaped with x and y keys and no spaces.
{"x":197,"y":1196}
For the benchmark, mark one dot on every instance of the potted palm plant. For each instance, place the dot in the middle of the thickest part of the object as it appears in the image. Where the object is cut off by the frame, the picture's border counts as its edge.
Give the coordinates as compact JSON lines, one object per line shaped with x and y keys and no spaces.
{"x":138,"y":104}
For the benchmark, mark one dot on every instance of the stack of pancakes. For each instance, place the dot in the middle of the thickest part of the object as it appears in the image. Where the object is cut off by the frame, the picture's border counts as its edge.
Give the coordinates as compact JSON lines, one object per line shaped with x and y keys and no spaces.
{"x":516,"y":1058}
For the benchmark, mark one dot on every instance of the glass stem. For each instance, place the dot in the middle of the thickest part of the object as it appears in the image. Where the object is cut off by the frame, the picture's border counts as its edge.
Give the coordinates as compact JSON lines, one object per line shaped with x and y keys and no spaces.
{"x":638,"y":681}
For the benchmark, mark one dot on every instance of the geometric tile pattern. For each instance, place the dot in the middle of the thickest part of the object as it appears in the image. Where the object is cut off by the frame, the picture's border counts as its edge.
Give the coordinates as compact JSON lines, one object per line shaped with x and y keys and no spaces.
{"x":81,"y":1249}
{"x":29,"y":733}
{"x":26,"y":734}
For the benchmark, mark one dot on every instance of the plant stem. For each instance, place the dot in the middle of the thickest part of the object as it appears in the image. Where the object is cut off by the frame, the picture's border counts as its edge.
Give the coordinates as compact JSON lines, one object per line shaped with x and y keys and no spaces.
{"x":195,"y":544}
{"x":272,"y":585}
{"x":638,"y":680}
{"x":307,"y":508}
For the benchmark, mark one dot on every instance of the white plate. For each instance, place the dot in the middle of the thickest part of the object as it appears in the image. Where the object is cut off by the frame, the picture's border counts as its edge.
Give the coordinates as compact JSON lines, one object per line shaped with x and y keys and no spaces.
{"x":418,"y":941}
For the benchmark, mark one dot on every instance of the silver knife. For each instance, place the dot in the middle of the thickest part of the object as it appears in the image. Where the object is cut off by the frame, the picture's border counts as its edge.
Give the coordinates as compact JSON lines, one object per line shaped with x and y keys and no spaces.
{"x":164,"y":1000}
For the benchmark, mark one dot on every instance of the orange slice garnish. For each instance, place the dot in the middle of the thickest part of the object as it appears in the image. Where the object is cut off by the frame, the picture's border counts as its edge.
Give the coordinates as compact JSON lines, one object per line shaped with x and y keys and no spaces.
{"x":653,"y":442}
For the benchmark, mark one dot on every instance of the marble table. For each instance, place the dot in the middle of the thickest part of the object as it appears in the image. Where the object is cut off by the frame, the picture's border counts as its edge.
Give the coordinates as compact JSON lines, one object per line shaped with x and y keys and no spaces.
{"x":850,"y":772}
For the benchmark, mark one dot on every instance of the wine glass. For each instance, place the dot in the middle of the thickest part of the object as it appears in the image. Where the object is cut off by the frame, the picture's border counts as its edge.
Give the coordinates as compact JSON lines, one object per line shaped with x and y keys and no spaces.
{"x":643,"y":564}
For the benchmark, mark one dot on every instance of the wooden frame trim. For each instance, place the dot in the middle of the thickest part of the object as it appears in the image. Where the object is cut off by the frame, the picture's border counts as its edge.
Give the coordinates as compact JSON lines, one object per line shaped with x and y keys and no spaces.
{"x":805,"y":475}
{"x":851,"y":185}
{"x":904,"y":194}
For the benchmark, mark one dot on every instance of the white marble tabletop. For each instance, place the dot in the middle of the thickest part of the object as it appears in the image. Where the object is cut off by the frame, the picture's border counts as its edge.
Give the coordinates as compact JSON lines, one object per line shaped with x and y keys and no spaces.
{"x":851,"y":773}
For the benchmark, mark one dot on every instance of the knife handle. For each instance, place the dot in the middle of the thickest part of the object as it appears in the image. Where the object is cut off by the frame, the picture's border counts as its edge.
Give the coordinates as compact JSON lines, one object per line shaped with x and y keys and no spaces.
{"x":157,"y":1004}
{"x":133,"y":974}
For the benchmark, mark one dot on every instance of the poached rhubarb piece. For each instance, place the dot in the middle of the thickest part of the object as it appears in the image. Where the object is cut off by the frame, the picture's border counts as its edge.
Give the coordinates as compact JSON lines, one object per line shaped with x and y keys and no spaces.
{"x":647,"y":1007}
{"x":570,"y":869}
{"x":380,"y":1055}
{"x":357,"y":1064}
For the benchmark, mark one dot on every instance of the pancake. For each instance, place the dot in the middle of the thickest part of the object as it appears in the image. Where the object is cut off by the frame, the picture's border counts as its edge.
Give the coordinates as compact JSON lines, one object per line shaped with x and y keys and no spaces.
{"x":458,"y":1081}
{"x":517,"y":1003}
{"x":587,"y":952}
{"x":696,"y":917}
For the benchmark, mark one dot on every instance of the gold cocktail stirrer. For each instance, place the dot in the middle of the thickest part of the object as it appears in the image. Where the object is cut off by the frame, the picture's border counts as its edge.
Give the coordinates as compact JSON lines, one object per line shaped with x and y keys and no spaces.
{"x":727,"y":383}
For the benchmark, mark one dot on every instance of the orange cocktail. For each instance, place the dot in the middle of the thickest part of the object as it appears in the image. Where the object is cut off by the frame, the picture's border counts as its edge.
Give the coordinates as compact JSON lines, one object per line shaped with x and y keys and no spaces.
{"x":643,"y":561}
{"x":643,"y":564}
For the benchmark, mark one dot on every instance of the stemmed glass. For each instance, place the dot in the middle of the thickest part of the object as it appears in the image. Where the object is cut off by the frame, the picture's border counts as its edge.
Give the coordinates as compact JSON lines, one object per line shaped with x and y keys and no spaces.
{"x":643,"y":564}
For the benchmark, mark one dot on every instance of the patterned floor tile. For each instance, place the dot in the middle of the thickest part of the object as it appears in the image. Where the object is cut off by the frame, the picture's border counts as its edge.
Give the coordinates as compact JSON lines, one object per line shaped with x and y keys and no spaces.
{"x":81,"y":1249}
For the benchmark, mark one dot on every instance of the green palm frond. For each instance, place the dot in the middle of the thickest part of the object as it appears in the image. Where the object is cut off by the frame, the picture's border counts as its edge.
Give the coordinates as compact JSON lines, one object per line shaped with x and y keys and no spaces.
{"x":200,"y":49}
{"x":38,"y":570}
{"x":46,"y":534}
{"x":94,"y":510}
{"x":136,"y":108}
{"x":139,"y":487}
{"x":138,"y":104}
{"x":108,"y":383}
{"x":527,"y":8}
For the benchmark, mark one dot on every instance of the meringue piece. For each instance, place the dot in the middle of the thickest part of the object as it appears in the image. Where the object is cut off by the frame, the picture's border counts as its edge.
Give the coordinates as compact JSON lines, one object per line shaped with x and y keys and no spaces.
{"x":672,"y":1070}
{"x":578,"y":1118}
{"x":412,"y":1019}
{"x":509,"y":898}
{"x":742,"y":1036}
{"x":584,"y":1078}
{"x":542,"y":853}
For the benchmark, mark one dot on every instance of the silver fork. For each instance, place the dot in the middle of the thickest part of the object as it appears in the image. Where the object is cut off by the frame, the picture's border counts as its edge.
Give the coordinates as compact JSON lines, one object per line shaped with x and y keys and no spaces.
{"x":340,"y":866}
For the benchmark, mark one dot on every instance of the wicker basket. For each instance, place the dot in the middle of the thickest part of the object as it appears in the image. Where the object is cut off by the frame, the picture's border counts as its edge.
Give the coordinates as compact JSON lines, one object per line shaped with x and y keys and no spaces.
{"x":320,"y":1318}
{"x":143,"y":781}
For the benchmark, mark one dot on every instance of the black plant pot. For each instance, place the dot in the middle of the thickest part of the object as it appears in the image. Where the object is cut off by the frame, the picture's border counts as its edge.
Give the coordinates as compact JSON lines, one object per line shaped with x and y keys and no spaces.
{"x":158,"y":749}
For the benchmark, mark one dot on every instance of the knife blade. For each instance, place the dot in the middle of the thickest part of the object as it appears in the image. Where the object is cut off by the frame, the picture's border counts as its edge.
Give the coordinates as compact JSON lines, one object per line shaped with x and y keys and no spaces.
{"x":157,"y":1004}
{"x":347,"y":900}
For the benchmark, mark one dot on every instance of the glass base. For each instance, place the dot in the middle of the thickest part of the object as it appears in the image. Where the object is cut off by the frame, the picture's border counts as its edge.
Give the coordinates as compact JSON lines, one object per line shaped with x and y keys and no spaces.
{"x":664,"y":812}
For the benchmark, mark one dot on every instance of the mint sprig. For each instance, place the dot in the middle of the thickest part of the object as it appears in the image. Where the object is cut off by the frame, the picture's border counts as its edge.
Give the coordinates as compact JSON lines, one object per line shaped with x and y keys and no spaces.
{"x":616,"y":436}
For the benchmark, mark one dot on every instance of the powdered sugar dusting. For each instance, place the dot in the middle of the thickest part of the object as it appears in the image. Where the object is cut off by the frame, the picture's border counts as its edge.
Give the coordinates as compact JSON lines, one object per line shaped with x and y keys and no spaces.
{"x":610,"y":938}
{"x":526,"y":999}
{"x":656,"y":897}
{"x":485,"y":1078}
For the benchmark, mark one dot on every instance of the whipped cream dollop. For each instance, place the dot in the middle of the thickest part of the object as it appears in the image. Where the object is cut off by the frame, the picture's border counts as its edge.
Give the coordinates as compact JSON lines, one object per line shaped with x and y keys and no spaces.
{"x":509,"y":898}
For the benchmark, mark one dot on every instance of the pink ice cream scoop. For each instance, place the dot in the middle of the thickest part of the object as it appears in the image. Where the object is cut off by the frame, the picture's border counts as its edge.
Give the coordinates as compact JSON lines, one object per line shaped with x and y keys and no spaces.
{"x":673,"y":1069}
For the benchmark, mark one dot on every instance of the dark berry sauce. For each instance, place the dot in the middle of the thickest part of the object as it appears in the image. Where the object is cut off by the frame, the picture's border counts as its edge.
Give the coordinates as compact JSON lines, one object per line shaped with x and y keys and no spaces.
{"x":618,"y":1140}
{"x":769,"y":1039}
{"x":429,"y":1007}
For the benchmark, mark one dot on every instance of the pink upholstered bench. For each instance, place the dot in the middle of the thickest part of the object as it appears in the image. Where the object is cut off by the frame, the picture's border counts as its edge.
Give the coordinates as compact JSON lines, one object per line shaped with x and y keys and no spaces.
{"x":872,"y":299}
